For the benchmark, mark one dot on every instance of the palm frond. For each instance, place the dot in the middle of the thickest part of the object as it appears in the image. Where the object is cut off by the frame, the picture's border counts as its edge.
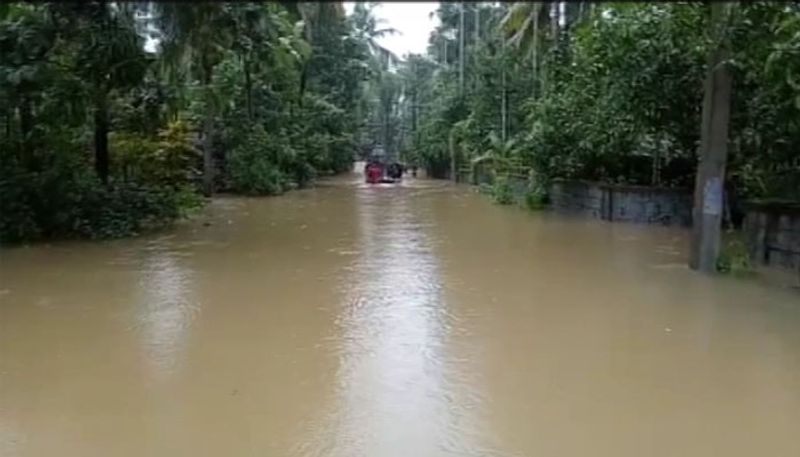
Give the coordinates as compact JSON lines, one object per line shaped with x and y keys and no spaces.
{"x":388,"y":30}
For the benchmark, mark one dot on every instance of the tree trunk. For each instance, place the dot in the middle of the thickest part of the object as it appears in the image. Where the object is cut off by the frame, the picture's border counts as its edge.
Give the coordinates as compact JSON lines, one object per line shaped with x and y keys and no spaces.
{"x":655,"y":178}
{"x":208,"y":135}
{"x":9,"y":120}
{"x":208,"y":153}
{"x":25,"y":130}
{"x":461,"y":37}
{"x":452,"y":148}
{"x":572,"y":14}
{"x":535,"y":47}
{"x":504,"y":95}
{"x":414,"y":108}
{"x":248,"y":85}
{"x":303,"y":80}
{"x":385,"y":128}
{"x":101,"y":128}
{"x":554,"y":22}
{"x":708,"y":193}
{"x":477,"y":23}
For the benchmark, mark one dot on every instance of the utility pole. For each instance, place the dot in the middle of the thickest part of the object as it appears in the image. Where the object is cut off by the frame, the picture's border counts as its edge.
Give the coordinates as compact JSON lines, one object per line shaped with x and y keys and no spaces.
{"x":537,"y":10}
{"x":713,"y":153}
{"x":414,"y":90}
{"x":474,"y":82}
{"x":477,"y":22}
{"x":461,"y":33}
{"x":504,"y":101}
{"x":556,"y":19}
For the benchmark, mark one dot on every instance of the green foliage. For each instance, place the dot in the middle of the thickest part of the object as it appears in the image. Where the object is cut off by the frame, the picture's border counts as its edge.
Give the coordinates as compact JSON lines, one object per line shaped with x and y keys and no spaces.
{"x":536,"y":196}
{"x":254,"y":164}
{"x":734,"y":257}
{"x":168,"y":161}
{"x":268,"y":94}
{"x":627,"y":96}
{"x":765,"y":132}
{"x":271,"y":95}
{"x":132,"y":155}
{"x":67,"y":201}
{"x":613,"y":93}
{"x":535,"y":200}
{"x":502,"y":192}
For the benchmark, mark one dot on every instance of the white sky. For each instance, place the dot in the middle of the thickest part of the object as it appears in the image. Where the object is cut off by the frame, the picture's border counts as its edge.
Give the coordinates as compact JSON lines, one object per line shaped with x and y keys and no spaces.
{"x":411,"y":19}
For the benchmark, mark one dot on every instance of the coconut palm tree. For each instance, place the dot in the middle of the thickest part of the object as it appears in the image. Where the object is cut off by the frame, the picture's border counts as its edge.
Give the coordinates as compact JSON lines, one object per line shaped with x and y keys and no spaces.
{"x":523,"y":27}
{"x":369,"y":29}
{"x":315,"y":15}
{"x":259,"y":29}
{"x":528,"y":24}
{"x":316,"y":18}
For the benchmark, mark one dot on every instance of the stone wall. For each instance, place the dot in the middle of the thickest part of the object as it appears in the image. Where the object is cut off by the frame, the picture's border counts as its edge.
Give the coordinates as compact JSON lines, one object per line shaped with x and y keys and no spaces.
{"x":640,"y":204}
{"x":476,"y":175}
{"x":772,"y":231}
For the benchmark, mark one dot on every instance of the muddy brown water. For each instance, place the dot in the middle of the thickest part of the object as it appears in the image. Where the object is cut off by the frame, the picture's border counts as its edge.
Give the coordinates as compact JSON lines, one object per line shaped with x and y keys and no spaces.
{"x":391,"y":321}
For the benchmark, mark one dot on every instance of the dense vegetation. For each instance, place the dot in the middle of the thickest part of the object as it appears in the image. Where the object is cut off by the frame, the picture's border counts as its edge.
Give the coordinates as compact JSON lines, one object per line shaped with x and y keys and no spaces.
{"x":104,"y":136}
{"x":610,"y":92}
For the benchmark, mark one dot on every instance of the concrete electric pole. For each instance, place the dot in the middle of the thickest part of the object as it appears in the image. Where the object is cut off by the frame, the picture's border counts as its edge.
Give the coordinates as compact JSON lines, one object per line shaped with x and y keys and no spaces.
{"x":713,"y":153}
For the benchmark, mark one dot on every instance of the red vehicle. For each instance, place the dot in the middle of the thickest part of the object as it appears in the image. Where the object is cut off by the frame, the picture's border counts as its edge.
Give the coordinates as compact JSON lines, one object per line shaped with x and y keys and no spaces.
{"x":374,"y":172}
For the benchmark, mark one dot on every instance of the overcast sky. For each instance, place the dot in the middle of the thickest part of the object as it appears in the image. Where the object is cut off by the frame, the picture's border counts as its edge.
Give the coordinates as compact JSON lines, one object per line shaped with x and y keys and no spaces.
{"x":411,"y":19}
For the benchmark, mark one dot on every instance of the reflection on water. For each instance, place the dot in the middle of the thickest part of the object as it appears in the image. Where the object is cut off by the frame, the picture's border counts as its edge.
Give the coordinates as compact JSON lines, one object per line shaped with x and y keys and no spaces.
{"x":417,"y":319}
{"x":165,"y":310}
{"x":10,"y":439}
{"x":397,"y":390}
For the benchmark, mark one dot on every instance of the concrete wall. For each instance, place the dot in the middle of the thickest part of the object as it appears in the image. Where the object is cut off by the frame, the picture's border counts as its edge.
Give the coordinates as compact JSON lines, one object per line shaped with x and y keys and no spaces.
{"x":640,"y":204}
{"x":476,"y":175}
{"x":519,"y":188}
{"x":772,"y":231}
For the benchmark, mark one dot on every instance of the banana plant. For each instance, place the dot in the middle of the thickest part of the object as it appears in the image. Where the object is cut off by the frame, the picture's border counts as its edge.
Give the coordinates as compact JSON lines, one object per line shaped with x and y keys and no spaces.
{"x":500,"y":153}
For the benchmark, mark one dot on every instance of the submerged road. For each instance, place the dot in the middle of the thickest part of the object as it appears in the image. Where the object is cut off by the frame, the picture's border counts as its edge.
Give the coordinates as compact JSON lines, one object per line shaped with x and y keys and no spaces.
{"x":391,"y":321}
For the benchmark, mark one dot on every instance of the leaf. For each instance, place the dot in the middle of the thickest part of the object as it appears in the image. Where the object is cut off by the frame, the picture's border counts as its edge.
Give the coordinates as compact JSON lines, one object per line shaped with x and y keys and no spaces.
{"x":790,"y":80}
{"x":15,"y":77}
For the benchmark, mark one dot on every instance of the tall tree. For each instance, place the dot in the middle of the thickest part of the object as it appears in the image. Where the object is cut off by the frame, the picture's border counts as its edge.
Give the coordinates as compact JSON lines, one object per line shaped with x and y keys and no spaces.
{"x":196,"y":36}
{"x":369,"y":29}
{"x":523,"y":27}
{"x":461,"y":37}
{"x":111,"y":57}
{"x":318,"y":19}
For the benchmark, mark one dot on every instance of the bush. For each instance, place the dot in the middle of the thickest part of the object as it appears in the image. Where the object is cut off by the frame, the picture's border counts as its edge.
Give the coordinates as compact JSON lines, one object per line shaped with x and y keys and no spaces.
{"x":254,"y":164}
{"x":535,"y":199}
{"x":536,"y":196}
{"x":626,"y":94}
{"x":167,"y":161}
{"x":734,"y":257}
{"x":67,"y":201}
{"x":502,"y":192}
{"x":17,"y":215}
{"x":121,"y":211}
{"x":486,"y":188}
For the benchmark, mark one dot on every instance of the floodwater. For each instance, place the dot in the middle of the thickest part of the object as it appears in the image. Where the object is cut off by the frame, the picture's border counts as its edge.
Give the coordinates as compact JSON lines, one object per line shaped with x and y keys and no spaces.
{"x":391,"y":321}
